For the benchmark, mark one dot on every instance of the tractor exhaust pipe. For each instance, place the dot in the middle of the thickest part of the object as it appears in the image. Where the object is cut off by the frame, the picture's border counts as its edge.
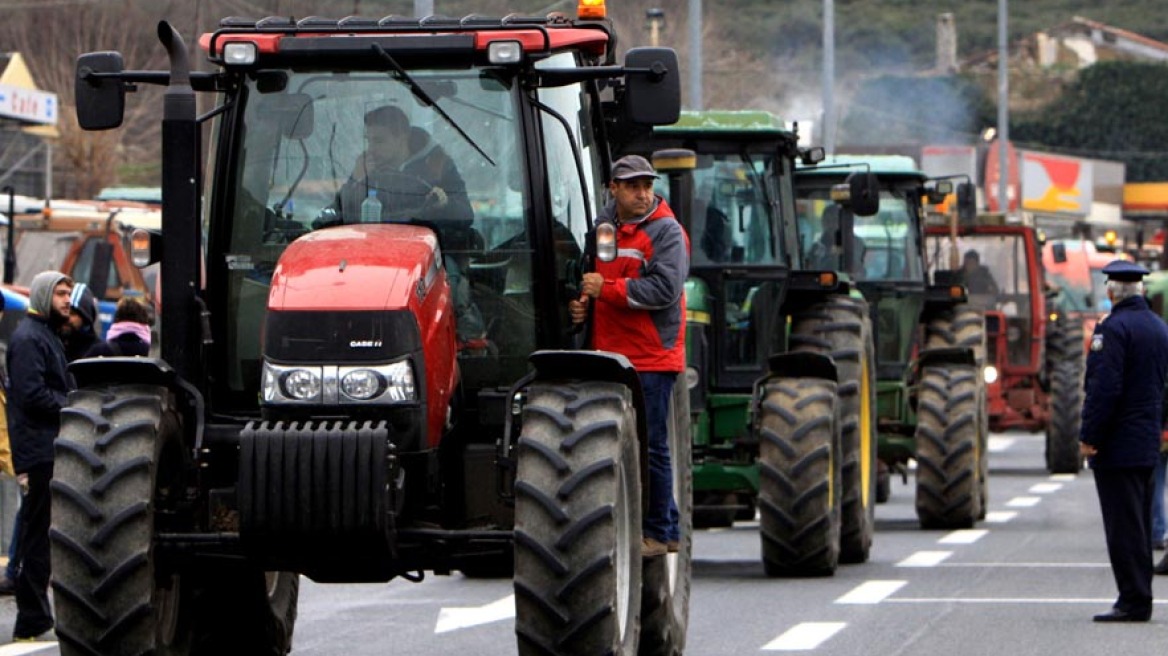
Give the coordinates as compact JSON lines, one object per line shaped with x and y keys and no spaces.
{"x":181,"y":182}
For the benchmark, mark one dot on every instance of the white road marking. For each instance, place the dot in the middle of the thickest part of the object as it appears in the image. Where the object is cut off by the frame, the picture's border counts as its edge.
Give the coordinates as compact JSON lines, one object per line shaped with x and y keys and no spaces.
{"x":925,"y":559}
{"x":1065,"y":478}
{"x":1031,"y":565}
{"x":1000,"y":516}
{"x":1023,"y":502}
{"x":964,"y":536}
{"x":1045,"y":488}
{"x":871,"y":592}
{"x":452,"y":619}
{"x":19,"y":648}
{"x":999,"y":444}
{"x":804,"y":636}
{"x":1007,"y":600}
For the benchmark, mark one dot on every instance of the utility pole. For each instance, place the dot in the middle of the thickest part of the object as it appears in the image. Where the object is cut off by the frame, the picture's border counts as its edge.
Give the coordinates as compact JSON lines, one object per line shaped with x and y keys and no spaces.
{"x":829,"y":76}
{"x":1003,"y":110}
{"x":695,"y":54}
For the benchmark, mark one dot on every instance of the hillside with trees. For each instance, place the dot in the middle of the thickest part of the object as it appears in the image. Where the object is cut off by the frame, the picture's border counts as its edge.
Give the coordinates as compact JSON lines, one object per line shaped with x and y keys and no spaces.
{"x":757,"y":54}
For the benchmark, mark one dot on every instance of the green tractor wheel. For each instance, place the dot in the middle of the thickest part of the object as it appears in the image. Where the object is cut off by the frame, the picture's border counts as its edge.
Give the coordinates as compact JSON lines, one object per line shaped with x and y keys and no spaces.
{"x":799,"y":478}
{"x":947,"y":448}
{"x":840,"y":327}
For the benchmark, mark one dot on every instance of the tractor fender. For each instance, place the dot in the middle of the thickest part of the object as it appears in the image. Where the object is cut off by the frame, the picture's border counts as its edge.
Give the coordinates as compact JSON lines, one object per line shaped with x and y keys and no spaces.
{"x":793,"y":364}
{"x":150,"y":371}
{"x":948,"y":355}
{"x":599,"y":366}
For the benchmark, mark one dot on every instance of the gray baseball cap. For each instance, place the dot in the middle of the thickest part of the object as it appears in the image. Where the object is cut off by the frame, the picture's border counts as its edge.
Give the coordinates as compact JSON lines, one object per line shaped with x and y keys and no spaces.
{"x":632,"y":166}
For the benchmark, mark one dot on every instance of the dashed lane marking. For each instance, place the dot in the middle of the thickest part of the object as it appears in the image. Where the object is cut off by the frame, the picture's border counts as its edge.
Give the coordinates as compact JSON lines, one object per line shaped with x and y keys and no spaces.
{"x":804,"y":636}
{"x":1045,"y":488}
{"x":964,"y":536}
{"x":1000,"y":516}
{"x":925,"y":559}
{"x":1065,"y":478}
{"x":451,"y":619}
{"x":1031,"y":565}
{"x":1008,"y":600}
{"x":19,"y":648}
{"x":999,"y":444}
{"x":1023,"y":502}
{"x":871,"y":592}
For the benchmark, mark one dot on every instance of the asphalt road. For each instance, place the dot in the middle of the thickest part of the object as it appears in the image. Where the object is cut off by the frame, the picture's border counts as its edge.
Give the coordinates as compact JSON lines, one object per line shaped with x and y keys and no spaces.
{"x":1026,"y":581}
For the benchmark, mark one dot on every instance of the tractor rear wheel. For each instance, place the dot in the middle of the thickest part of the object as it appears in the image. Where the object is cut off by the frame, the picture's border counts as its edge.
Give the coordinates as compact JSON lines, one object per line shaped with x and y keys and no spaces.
{"x":121,"y":467}
{"x":1064,"y":366}
{"x":578,"y":521}
{"x":666,"y":580}
{"x":799,"y":477}
{"x":947,"y":448}
{"x":962,"y":326}
{"x":841,"y":328}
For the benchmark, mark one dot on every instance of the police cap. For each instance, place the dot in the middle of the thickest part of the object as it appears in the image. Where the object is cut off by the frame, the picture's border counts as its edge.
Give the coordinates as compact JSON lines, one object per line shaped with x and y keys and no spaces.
{"x":1124,"y":271}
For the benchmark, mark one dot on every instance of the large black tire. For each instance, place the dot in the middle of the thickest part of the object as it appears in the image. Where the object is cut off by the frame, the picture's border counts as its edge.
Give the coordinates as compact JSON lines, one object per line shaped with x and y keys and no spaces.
{"x":121,"y":467}
{"x":840,"y":327}
{"x":666,"y":581}
{"x":1064,"y":369}
{"x":799,"y":476}
{"x":578,"y":521}
{"x":947,"y":450}
{"x":961,"y":326}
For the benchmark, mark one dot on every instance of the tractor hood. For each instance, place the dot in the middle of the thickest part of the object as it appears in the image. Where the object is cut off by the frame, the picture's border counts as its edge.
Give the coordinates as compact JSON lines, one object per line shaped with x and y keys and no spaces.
{"x":358,"y":267}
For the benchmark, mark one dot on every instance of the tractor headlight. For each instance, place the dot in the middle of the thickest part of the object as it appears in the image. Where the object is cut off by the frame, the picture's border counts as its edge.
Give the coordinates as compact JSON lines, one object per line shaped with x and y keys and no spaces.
{"x":990,"y":373}
{"x":382,"y":384}
{"x":334,"y":385}
{"x":691,"y":377}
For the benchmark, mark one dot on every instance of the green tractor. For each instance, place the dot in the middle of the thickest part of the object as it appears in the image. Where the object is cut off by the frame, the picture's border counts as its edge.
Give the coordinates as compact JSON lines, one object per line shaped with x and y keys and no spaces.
{"x":780,"y":356}
{"x":930,"y":343}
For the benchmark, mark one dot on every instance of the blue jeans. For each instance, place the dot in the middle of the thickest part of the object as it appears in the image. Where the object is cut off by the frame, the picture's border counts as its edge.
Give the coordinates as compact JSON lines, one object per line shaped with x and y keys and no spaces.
{"x":661,"y":519}
{"x":1159,"y":523}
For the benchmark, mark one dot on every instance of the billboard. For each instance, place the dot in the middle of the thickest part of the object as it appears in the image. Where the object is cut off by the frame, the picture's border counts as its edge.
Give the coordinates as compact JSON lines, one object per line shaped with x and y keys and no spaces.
{"x":1056,"y":184}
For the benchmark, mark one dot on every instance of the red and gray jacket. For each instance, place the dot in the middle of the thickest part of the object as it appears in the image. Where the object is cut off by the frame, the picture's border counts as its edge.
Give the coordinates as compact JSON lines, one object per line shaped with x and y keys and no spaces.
{"x":641,"y":308}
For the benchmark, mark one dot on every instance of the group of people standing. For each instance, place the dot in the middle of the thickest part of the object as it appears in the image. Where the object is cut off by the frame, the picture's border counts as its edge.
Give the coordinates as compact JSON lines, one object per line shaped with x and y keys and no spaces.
{"x":62,"y":325}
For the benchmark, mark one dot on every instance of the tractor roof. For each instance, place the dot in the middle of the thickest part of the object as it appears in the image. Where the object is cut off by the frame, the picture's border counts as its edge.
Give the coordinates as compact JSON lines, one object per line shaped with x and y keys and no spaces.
{"x":881,"y":165}
{"x":439,"y":35}
{"x":721,"y":121}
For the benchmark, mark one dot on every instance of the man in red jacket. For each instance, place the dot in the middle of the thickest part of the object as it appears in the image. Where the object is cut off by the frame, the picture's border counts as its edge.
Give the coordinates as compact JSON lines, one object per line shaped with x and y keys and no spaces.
{"x":640,"y":313}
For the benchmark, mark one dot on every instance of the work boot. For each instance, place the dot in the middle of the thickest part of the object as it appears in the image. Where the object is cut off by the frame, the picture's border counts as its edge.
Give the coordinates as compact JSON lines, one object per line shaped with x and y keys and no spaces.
{"x":673,"y":546}
{"x":651,"y":548}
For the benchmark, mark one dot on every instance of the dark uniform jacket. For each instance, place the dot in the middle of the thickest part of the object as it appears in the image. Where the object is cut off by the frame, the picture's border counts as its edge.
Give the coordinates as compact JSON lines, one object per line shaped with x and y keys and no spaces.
{"x":1126,"y":368}
{"x":38,"y":386}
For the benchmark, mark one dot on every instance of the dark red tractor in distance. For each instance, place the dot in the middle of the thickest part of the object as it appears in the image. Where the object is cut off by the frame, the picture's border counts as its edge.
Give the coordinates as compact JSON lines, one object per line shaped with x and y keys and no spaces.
{"x":1034,"y":350}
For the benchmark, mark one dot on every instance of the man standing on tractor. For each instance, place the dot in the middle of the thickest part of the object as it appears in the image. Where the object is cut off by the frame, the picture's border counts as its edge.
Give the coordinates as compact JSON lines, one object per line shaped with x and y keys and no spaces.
{"x":39,"y":385}
{"x":1127,"y":365}
{"x":640,"y":313}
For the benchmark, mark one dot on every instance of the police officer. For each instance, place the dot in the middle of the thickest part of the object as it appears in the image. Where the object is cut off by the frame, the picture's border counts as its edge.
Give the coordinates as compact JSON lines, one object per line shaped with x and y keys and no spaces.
{"x":1126,"y":368}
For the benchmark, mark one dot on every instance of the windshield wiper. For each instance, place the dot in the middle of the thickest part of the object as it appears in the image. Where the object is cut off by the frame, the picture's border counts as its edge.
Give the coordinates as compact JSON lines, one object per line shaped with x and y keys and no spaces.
{"x":427,"y":100}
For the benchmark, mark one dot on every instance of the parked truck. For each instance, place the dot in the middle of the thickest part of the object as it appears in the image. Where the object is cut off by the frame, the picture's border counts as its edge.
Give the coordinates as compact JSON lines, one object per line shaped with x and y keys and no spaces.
{"x":314,"y":410}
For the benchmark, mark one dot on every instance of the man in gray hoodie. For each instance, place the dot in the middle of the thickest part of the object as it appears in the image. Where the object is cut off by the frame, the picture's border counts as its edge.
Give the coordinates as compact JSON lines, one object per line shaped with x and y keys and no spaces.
{"x":39,"y":385}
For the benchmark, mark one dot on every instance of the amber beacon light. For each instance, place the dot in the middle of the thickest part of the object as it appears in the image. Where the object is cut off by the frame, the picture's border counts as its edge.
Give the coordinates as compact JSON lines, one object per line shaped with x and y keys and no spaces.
{"x":590,"y":9}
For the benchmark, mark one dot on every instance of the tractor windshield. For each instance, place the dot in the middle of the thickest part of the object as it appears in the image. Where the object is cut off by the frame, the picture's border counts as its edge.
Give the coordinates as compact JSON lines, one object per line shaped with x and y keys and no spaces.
{"x":885,"y":244}
{"x":733,"y":221}
{"x":995,"y":269}
{"x":313,"y":146}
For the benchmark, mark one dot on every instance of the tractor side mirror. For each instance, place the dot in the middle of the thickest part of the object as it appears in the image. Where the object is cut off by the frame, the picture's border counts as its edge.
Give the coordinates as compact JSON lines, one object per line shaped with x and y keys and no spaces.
{"x":864,"y":191}
{"x":652,"y":86}
{"x":101,"y":101}
{"x":1059,"y":251}
{"x":966,"y":203}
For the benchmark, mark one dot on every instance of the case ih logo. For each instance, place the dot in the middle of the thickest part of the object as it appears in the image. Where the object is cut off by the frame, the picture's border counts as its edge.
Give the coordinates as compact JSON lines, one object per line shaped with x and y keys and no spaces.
{"x":365,"y":343}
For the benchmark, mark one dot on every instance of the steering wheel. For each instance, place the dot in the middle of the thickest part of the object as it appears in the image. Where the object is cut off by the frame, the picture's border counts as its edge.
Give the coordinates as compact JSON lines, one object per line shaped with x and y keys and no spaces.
{"x":403,"y":196}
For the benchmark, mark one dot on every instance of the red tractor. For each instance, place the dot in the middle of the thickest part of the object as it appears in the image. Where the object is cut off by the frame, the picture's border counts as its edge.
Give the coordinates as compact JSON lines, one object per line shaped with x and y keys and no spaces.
{"x":356,"y":393}
{"x":1034,"y":359}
